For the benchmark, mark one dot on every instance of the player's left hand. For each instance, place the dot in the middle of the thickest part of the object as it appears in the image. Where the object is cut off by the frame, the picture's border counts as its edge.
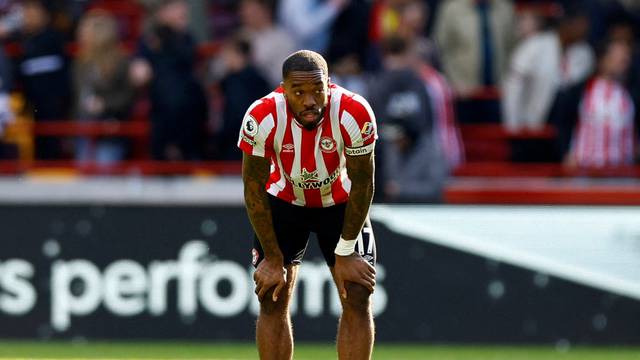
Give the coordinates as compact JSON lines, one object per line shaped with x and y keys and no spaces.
{"x":356,"y":269}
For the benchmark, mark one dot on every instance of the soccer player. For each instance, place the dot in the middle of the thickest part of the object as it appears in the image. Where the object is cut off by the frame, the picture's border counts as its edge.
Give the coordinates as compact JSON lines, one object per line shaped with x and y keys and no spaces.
{"x":308,"y":167}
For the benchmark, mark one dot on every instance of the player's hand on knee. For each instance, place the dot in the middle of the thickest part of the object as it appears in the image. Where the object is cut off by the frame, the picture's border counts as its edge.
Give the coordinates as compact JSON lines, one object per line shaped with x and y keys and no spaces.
{"x":270,"y":274}
{"x":356,"y":269}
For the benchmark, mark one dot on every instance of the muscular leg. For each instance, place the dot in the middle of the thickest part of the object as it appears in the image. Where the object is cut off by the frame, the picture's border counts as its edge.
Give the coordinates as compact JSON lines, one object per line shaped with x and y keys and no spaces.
{"x":273,"y":329}
{"x":356,"y":329}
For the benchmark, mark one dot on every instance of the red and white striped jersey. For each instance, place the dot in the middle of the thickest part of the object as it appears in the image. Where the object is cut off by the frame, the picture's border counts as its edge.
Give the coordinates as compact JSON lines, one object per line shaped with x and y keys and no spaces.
{"x":604,"y":136}
{"x":308,"y":167}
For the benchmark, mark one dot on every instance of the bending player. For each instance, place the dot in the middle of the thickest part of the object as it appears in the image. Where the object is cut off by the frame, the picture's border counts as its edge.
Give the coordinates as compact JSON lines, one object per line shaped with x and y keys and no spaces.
{"x":308,"y":167}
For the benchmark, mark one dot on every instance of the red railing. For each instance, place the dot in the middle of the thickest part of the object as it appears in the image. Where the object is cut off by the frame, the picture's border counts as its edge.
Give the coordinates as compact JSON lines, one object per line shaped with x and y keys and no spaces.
{"x":133,"y":167}
{"x":133,"y":129}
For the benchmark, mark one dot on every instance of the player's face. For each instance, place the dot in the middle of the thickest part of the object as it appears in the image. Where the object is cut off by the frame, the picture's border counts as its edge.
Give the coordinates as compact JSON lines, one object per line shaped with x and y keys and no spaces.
{"x":307,"y":96}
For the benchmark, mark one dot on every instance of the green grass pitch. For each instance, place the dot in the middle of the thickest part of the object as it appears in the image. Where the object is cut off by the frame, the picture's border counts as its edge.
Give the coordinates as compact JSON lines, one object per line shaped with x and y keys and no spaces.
{"x":219,"y":351}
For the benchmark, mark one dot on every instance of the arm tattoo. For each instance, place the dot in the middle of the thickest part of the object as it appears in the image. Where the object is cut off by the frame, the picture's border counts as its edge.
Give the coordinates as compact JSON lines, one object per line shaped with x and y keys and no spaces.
{"x":255,"y":172}
{"x":360,"y":170}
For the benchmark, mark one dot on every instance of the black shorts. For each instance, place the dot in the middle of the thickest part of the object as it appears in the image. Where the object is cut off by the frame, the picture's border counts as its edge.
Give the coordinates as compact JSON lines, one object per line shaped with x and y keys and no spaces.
{"x":293,"y":224}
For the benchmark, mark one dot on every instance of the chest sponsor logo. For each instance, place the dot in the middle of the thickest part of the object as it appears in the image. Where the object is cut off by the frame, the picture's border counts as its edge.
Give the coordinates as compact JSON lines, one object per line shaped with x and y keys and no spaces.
{"x":310,"y":180}
{"x":307,"y":176}
{"x":250,"y":126}
{"x":287,"y":148}
{"x":327,"y":144}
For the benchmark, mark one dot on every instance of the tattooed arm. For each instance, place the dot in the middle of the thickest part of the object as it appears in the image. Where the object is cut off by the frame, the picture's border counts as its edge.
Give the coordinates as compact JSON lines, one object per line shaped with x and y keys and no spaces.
{"x":354,"y":268}
{"x":360,"y":170}
{"x":270,"y":272}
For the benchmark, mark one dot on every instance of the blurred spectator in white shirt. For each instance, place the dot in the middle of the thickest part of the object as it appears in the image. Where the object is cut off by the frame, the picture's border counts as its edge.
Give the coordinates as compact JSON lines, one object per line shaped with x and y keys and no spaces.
{"x":542,"y":65}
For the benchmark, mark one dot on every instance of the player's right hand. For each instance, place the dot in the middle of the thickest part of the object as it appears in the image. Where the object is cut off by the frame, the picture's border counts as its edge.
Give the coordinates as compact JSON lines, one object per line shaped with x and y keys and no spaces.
{"x":270,"y":273}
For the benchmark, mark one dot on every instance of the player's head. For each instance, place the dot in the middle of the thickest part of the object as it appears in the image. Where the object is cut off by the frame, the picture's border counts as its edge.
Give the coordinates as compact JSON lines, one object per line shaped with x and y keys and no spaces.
{"x":306,"y":85}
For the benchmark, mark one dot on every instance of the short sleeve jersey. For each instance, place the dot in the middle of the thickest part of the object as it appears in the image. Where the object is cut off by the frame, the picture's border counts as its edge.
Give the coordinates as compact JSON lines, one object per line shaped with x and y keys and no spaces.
{"x":308,"y":167}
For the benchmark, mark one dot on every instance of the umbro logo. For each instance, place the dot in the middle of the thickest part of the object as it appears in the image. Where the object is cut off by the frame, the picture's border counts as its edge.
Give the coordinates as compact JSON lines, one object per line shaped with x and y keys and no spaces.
{"x":287,"y":148}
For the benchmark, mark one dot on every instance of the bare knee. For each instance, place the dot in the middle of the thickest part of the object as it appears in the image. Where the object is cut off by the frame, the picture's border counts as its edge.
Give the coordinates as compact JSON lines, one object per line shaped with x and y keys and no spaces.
{"x":358,"y":299}
{"x":278,"y":308}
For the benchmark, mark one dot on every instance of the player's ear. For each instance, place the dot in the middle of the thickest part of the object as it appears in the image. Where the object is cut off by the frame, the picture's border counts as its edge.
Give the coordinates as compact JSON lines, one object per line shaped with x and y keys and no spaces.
{"x":284,"y":90}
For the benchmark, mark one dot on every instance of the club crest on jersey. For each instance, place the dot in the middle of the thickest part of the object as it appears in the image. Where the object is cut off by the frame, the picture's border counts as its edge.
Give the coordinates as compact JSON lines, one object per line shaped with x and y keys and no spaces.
{"x":327,"y":144}
{"x":250,"y":126}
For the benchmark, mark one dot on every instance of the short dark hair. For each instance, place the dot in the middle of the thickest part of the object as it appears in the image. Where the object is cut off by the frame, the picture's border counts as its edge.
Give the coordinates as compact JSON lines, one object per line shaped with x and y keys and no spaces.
{"x":304,"y":60}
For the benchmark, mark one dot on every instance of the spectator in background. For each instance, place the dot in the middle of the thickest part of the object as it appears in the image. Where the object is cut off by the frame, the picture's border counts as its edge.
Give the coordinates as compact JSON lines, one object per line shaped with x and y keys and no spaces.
{"x":270,"y":44}
{"x":475,"y":38}
{"x":604,"y":136}
{"x":6,"y":113}
{"x":348,"y":53}
{"x":349,"y":41}
{"x":43,"y":72}
{"x":412,"y":167}
{"x":310,"y":21}
{"x":624,"y":31}
{"x":11,"y":17}
{"x":165,"y":60}
{"x":528,"y":24}
{"x":412,"y":25}
{"x":241,"y":86}
{"x":102,"y":90}
{"x":445,"y":130}
{"x":542,"y":65}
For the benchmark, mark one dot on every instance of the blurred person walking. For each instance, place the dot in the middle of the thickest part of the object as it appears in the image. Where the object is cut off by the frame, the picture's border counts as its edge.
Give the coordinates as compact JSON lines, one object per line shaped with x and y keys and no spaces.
{"x":165,"y":60}
{"x":102,"y":90}
{"x":413,"y":166}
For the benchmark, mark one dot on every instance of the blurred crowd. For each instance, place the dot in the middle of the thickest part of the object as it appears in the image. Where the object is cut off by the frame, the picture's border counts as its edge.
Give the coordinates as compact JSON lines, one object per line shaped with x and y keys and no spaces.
{"x":426,"y":66}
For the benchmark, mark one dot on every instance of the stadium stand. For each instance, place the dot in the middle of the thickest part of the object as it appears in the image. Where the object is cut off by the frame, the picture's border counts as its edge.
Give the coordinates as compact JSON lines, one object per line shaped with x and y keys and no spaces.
{"x":489,"y":174}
